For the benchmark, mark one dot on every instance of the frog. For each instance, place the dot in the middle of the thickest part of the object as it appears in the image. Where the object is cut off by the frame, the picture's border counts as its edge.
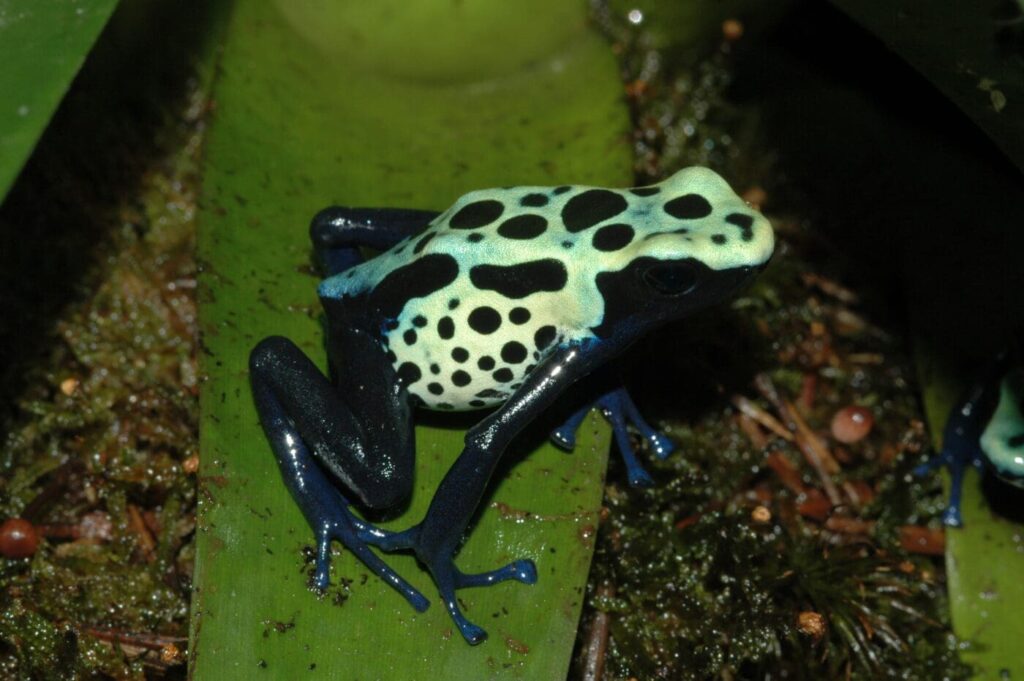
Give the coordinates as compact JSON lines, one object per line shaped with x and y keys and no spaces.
{"x":985,"y":429}
{"x":498,"y":304}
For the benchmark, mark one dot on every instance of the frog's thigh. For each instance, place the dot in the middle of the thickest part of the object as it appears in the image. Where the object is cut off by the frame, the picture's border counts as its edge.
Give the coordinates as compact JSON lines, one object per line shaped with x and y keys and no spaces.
{"x":360,"y":430}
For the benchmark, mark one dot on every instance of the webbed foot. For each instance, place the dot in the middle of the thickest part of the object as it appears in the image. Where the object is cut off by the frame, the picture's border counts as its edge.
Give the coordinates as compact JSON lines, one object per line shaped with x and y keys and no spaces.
{"x":449,"y":579}
{"x":619,"y":409}
{"x":355,"y":534}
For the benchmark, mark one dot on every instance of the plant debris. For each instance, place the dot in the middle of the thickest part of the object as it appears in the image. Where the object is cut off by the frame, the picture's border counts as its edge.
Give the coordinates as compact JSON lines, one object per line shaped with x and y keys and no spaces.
{"x":778,"y":542}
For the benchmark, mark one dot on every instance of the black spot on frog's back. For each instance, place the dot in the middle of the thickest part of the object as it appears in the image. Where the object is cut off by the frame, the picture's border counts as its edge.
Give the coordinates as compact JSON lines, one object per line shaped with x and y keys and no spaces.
{"x":477,"y":214}
{"x":419,"y":278}
{"x":591,"y":207}
{"x":519,"y":281}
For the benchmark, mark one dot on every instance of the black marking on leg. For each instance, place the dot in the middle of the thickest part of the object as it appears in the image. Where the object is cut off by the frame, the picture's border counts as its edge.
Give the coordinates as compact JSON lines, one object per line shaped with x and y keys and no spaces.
{"x":591,"y":207}
{"x":534,"y":200}
{"x":435,"y":388}
{"x":519,"y":281}
{"x":486,"y":362}
{"x":409,"y":337}
{"x":719,"y":239}
{"x":688,"y":207}
{"x":461,"y":378}
{"x":644,"y":191}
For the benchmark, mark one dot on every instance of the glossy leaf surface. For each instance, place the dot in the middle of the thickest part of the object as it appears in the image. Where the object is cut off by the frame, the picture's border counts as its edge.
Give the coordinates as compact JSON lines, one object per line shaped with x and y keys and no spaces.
{"x":43,"y":43}
{"x":395,"y":104}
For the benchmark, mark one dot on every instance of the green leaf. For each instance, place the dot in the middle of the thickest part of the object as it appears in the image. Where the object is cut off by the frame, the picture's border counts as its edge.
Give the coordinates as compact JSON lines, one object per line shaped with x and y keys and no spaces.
{"x":968,"y":50}
{"x":983,"y":558}
{"x":43,"y":43}
{"x":405,"y":104}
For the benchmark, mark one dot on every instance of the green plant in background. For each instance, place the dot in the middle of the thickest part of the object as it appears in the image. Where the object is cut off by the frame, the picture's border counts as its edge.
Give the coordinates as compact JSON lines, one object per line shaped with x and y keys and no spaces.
{"x":43,"y":43}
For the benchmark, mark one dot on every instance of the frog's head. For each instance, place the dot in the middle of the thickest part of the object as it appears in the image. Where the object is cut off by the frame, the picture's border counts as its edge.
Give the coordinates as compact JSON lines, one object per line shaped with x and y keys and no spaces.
{"x":1003,"y":437}
{"x":693,"y":243}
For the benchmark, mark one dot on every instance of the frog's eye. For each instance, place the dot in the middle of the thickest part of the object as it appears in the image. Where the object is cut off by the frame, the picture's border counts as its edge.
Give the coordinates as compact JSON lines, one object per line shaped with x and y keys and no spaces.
{"x":671,"y":278}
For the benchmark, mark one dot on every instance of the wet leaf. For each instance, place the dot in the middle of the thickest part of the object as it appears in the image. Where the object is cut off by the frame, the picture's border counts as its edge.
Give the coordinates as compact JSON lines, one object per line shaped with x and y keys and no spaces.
{"x":984,"y":560}
{"x":395,"y":104}
{"x":43,"y":43}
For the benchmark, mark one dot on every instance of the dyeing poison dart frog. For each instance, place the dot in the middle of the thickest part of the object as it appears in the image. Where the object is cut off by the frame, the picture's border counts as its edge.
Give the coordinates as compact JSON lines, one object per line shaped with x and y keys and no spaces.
{"x":985,"y":430}
{"x":501,"y":302}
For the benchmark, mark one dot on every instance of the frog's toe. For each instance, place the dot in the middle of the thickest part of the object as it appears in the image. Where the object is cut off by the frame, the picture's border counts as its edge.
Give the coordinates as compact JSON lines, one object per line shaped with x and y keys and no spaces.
{"x":347,"y":529}
{"x":952,"y":518}
{"x":564,"y":438}
{"x":521,"y":570}
{"x":660,"y":445}
{"x":565,"y":435}
{"x":638,"y":477}
{"x":448,"y":577}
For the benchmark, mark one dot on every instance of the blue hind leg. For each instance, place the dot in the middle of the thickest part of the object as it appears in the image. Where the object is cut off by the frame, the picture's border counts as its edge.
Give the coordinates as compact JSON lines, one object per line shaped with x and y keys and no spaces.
{"x":621,"y":412}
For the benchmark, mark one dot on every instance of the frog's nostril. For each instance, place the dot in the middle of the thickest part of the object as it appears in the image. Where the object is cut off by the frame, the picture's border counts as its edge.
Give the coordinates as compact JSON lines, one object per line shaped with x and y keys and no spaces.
{"x":671,"y":279}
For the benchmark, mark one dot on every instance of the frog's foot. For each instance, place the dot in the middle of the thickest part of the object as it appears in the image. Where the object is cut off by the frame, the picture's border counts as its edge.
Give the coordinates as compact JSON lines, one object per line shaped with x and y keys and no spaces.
{"x":619,"y":409}
{"x":449,"y":579}
{"x":957,"y":466}
{"x":355,"y":534}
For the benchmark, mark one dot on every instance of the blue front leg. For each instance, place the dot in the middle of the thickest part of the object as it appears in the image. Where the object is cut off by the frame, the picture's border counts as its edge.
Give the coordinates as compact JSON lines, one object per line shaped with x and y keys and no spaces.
{"x":437,"y":538}
{"x":961,"y":436}
{"x":619,"y":409}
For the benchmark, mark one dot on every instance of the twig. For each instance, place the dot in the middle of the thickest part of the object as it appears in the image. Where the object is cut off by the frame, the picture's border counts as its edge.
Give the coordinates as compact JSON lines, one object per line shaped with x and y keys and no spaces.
{"x":596,"y":644}
{"x":761,"y":416}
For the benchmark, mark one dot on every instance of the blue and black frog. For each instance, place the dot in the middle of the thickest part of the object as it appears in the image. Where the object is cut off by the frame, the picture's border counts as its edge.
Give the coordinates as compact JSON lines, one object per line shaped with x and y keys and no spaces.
{"x":985,"y":430}
{"x":499,"y":303}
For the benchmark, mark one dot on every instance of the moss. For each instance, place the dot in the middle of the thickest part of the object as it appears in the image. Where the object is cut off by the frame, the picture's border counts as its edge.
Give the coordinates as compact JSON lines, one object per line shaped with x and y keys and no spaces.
{"x":746,"y":561}
{"x":98,"y":269}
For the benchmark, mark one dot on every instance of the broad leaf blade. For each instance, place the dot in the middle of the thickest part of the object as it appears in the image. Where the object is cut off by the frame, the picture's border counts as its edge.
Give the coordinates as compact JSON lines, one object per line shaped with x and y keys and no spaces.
{"x":983,"y":558}
{"x":43,"y":43}
{"x":311,"y":111}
